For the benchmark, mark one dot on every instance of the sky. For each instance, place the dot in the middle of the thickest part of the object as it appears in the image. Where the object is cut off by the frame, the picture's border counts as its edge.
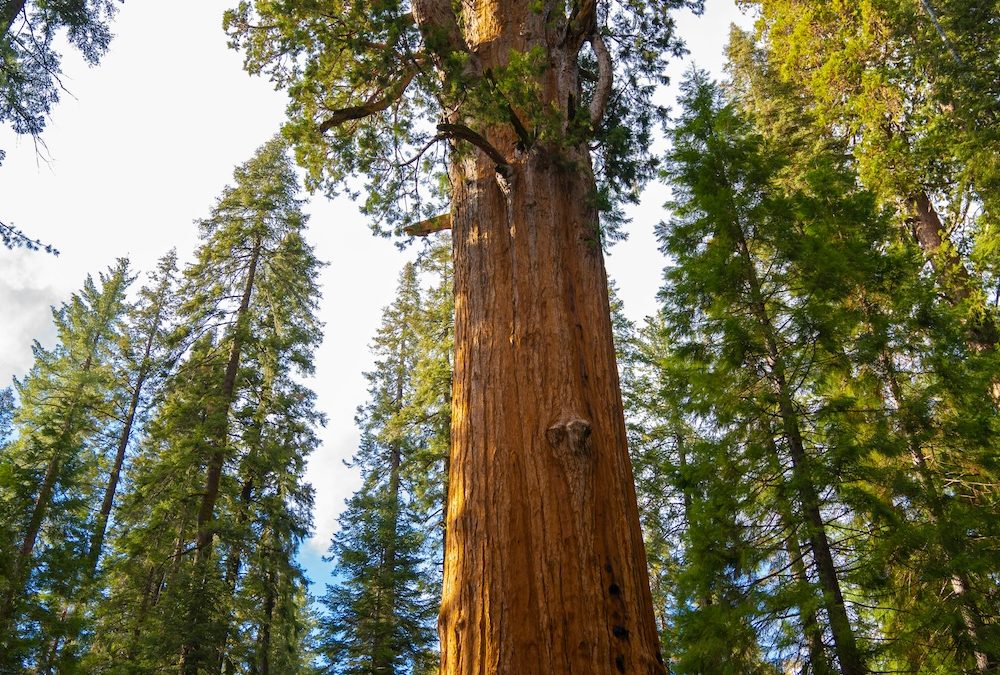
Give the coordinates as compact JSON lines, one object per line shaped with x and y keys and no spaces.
{"x":141,"y":145}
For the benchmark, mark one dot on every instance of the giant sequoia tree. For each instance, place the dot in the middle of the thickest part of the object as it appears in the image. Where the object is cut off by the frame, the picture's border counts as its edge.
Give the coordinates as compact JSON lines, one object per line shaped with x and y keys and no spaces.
{"x":545,"y":109}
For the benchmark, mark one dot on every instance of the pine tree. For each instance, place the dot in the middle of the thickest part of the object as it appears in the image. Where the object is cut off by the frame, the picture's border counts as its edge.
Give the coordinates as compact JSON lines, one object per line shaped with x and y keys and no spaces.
{"x":915,"y":363}
{"x":766,"y":262}
{"x":216,"y":506}
{"x":50,"y":470}
{"x":379,"y":613}
{"x":143,"y":355}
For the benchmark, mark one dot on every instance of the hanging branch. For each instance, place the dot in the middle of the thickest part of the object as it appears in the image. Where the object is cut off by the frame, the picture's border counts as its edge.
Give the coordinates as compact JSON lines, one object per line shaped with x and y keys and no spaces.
{"x":14,"y":238}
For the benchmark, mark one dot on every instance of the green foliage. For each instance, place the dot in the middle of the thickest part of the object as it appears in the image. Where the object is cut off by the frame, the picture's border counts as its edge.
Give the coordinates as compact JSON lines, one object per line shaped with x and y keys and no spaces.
{"x":381,"y":608}
{"x":49,"y":487}
{"x":367,"y":85}
{"x":249,"y":298}
{"x":29,"y":63}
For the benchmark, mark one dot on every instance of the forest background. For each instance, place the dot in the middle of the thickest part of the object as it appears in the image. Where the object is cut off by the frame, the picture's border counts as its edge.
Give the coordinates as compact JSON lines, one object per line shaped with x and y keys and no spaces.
{"x":140,"y":146}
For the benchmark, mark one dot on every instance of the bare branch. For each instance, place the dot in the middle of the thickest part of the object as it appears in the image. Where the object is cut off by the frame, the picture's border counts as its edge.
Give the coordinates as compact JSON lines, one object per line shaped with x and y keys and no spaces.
{"x":605,"y":78}
{"x":373,"y":105}
{"x":429,"y":226}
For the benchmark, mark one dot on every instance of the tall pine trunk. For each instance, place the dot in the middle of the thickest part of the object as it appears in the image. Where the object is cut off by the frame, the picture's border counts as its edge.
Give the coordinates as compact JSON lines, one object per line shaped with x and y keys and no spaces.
{"x":214,"y":474}
{"x":807,"y":614}
{"x":8,"y":14}
{"x":845,"y":644}
{"x":100,"y":528}
{"x":196,"y":657}
{"x":951,"y":274}
{"x":544,"y":568}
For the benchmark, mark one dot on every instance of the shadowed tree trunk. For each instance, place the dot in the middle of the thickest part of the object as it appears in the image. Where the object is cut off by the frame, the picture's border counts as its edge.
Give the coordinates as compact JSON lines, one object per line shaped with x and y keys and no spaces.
{"x":196,"y":657}
{"x":845,"y":644}
{"x":9,"y":12}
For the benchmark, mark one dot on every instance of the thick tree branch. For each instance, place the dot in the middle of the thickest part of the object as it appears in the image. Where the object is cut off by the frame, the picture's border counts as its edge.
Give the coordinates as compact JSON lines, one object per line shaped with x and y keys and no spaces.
{"x":439,"y":27}
{"x":429,"y":226}
{"x":582,"y":22}
{"x":605,"y":78}
{"x":464,"y":133}
{"x":373,"y":105}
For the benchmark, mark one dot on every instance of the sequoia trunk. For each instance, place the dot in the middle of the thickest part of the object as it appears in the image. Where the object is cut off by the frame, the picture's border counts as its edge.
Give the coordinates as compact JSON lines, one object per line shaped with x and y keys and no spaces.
{"x":544,"y":567}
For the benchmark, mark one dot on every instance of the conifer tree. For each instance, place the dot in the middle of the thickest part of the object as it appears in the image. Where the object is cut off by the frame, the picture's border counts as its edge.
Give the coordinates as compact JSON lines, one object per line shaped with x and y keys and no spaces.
{"x":379,"y":615}
{"x":216,"y":506}
{"x":917,"y":365}
{"x":913,"y":87}
{"x":547,"y":110}
{"x":761,"y":270}
{"x":143,"y":355}
{"x":49,"y":471}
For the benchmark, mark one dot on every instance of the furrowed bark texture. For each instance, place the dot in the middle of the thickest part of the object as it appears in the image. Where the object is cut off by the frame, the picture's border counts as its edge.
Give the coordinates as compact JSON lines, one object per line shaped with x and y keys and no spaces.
{"x":544,"y":567}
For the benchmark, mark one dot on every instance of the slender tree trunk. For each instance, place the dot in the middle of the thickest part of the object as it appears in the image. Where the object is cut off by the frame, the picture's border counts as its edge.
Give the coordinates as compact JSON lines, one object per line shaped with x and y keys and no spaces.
{"x":207,"y":511}
{"x":706,"y":599}
{"x":233,"y":563}
{"x":264,"y":631}
{"x":937,"y":506}
{"x":545,"y":570}
{"x":952,"y":276}
{"x":149,"y":596}
{"x":810,"y":623}
{"x":8,"y":15}
{"x":97,"y":539}
{"x":851,"y":661}
{"x":195,"y":657}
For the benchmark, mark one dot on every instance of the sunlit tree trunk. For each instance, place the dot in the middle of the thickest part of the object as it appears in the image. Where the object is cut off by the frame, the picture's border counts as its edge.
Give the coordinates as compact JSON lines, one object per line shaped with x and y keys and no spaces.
{"x":545,"y":570}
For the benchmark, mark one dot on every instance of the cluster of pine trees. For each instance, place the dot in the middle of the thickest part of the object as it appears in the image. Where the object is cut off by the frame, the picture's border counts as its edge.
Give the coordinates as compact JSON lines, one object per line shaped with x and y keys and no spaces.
{"x":152,"y":499}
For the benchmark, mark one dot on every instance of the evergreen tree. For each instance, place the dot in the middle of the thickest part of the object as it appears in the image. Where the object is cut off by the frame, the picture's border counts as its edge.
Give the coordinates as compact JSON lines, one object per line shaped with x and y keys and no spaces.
{"x":914,"y":88}
{"x":143,"y":357}
{"x":758,"y":297}
{"x":379,"y":614}
{"x":547,"y":111}
{"x":916,"y":364}
{"x":50,"y":471}
{"x":216,"y":507}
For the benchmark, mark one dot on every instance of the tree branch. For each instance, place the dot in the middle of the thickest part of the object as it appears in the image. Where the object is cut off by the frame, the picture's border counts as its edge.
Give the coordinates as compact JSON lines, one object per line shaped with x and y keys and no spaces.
{"x":605,"y":78}
{"x":429,"y":226}
{"x":464,"y":133}
{"x":582,"y":22}
{"x":373,"y":105}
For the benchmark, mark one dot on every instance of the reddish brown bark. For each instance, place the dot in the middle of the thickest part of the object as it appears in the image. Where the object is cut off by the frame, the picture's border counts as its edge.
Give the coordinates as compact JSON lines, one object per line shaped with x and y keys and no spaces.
{"x":544,"y":568}
{"x":952,"y":276}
